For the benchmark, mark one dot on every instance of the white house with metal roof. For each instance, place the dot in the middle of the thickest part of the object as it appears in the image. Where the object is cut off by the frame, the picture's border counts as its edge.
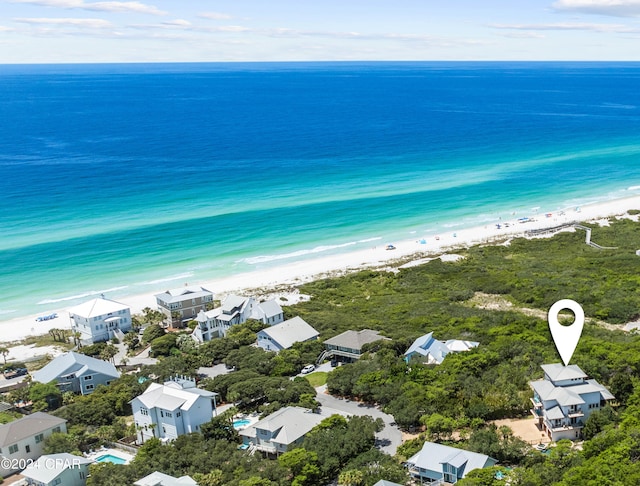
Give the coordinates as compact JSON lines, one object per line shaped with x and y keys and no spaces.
{"x":428,"y":349}
{"x":183,"y":304}
{"x":281,"y":430}
{"x":58,"y":469}
{"x":77,"y":373}
{"x":435,"y":463}
{"x":564,"y":400}
{"x":23,"y":439}
{"x":235,"y":309}
{"x":173,"y":409}
{"x":284,"y":335}
{"x":100,"y":319}
{"x":157,"y":478}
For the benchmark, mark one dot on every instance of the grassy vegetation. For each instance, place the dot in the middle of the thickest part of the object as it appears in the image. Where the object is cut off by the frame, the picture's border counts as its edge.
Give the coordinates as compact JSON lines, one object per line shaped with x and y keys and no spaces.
{"x":317,"y":378}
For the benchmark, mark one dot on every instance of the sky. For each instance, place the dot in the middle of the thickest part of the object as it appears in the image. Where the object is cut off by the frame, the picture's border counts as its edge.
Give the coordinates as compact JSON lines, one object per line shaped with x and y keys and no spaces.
{"x":80,"y":31}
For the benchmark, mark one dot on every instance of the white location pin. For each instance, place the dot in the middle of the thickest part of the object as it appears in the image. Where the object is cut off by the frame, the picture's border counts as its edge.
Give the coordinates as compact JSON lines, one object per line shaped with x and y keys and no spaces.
{"x":566,"y":337}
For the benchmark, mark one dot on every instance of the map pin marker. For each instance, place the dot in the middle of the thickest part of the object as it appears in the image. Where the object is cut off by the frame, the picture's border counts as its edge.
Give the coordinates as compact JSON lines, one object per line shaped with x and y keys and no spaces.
{"x":566,"y":337}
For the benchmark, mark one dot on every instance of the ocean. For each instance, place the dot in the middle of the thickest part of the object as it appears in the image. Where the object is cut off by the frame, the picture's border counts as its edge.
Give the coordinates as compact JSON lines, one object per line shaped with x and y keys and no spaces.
{"x":134,"y":178}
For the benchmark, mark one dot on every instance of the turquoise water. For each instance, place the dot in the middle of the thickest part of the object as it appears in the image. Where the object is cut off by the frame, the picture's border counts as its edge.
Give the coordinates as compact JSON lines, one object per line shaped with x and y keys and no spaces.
{"x":111,"y":458}
{"x":130,"y":179}
{"x":241,"y":423}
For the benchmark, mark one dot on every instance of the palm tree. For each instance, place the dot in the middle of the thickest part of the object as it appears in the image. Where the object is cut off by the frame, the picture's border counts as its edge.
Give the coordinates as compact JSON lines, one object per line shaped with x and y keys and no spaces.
{"x":4,"y":351}
{"x":352,"y":477}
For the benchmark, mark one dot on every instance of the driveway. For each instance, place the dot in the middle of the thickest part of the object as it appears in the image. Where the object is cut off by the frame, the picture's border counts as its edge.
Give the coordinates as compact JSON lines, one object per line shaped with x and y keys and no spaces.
{"x":387,"y":440}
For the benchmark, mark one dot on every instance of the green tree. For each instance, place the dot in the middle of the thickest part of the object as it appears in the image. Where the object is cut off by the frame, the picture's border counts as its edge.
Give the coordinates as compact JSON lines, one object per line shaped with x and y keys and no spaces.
{"x":4,"y":351}
{"x":45,"y":396}
{"x":152,"y":332}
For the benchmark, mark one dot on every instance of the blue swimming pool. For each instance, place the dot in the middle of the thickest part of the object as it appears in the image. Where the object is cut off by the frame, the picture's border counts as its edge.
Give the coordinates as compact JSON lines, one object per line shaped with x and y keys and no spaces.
{"x":111,"y":458}
{"x":241,"y":423}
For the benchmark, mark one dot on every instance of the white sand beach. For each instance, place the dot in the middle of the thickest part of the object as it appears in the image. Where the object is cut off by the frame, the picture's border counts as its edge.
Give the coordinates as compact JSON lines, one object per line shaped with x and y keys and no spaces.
{"x":285,"y":278}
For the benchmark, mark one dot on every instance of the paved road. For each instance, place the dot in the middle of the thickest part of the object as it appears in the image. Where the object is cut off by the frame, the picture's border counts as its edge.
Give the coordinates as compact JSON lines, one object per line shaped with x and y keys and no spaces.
{"x":388,"y":439}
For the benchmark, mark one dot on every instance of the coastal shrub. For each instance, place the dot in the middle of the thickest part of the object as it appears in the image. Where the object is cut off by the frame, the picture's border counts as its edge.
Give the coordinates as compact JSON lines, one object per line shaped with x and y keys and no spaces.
{"x":152,"y":332}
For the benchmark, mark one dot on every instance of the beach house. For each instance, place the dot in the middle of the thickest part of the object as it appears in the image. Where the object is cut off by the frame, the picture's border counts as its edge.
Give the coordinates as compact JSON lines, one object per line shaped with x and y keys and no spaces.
{"x":347,"y":346}
{"x":175,"y":408}
{"x":283,"y":429}
{"x":235,"y":309}
{"x":428,"y":349}
{"x":183,"y":304}
{"x":23,"y":440}
{"x":100,"y":320}
{"x":435,"y":463}
{"x":157,"y":478}
{"x":564,"y":399}
{"x":77,"y":373}
{"x":58,"y":469}
{"x":284,"y":335}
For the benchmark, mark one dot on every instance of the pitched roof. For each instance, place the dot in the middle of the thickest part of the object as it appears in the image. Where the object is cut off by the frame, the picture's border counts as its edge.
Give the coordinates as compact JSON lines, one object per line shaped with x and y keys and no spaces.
{"x":27,"y":426}
{"x":233,"y":301}
{"x":289,"y":424}
{"x":290,"y":331}
{"x":433,"y":455}
{"x":435,"y":351}
{"x":270,"y":308}
{"x":355,"y":339}
{"x":460,"y":345}
{"x":97,"y":307}
{"x":558,"y":372}
{"x":384,"y":482}
{"x":171,"y":396}
{"x":182,"y":293}
{"x":50,"y":466}
{"x":157,"y":478}
{"x":76,"y":363}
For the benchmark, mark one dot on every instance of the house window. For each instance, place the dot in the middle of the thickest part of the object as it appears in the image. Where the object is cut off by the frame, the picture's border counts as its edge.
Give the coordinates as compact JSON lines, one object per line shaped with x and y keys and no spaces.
{"x":57,"y":481}
{"x":144,"y":411}
{"x":13,"y":449}
{"x":89,"y":377}
{"x":88,"y":387}
{"x":56,"y":430}
{"x":39,"y":438}
{"x":27,"y":448}
{"x":178,"y":414}
{"x":168,"y":414}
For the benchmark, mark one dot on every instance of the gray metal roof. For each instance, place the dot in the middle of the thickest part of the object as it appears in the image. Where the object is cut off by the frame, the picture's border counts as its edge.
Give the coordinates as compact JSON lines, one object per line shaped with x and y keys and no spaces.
{"x":182,"y":294}
{"x":76,"y":363}
{"x":172,"y":396}
{"x":50,"y":466}
{"x":270,"y":308}
{"x":433,"y":455}
{"x":290,"y":423}
{"x":554,"y":413}
{"x":97,"y":308}
{"x":157,"y":478}
{"x":290,"y":331}
{"x":558,"y":372}
{"x":355,"y":339}
{"x":27,"y":427}
{"x":384,"y":482}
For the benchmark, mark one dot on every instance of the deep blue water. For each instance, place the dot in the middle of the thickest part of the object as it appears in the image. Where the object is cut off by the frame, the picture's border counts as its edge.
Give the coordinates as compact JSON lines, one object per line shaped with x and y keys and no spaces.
{"x":121,"y":176}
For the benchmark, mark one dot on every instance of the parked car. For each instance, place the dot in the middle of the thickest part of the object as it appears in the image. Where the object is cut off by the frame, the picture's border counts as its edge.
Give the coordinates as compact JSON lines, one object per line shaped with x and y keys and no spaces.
{"x":308,"y":369}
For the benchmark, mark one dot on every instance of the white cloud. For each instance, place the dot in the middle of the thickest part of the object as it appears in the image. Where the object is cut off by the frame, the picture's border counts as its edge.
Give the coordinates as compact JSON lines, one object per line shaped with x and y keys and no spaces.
{"x":177,"y":23}
{"x":614,"y":8}
{"x":616,"y":28}
{"x":85,"y":23}
{"x":136,"y":7}
{"x":214,"y":16}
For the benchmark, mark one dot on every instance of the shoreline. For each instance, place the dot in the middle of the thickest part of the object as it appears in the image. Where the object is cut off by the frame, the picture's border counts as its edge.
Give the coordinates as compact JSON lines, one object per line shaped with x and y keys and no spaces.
{"x":283,"y":279}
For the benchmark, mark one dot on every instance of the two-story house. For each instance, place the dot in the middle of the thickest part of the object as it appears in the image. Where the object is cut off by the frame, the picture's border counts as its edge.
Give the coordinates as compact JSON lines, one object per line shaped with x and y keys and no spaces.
{"x":58,"y":469}
{"x":77,"y":373}
{"x":347,"y":346}
{"x":429,"y":350}
{"x":175,"y":408}
{"x":284,"y":335}
{"x":23,"y":439}
{"x":435,"y":463}
{"x":564,"y":400}
{"x":282,"y":430}
{"x":100,"y":320}
{"x":235,"y":309}
{"x":183,"y":304}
